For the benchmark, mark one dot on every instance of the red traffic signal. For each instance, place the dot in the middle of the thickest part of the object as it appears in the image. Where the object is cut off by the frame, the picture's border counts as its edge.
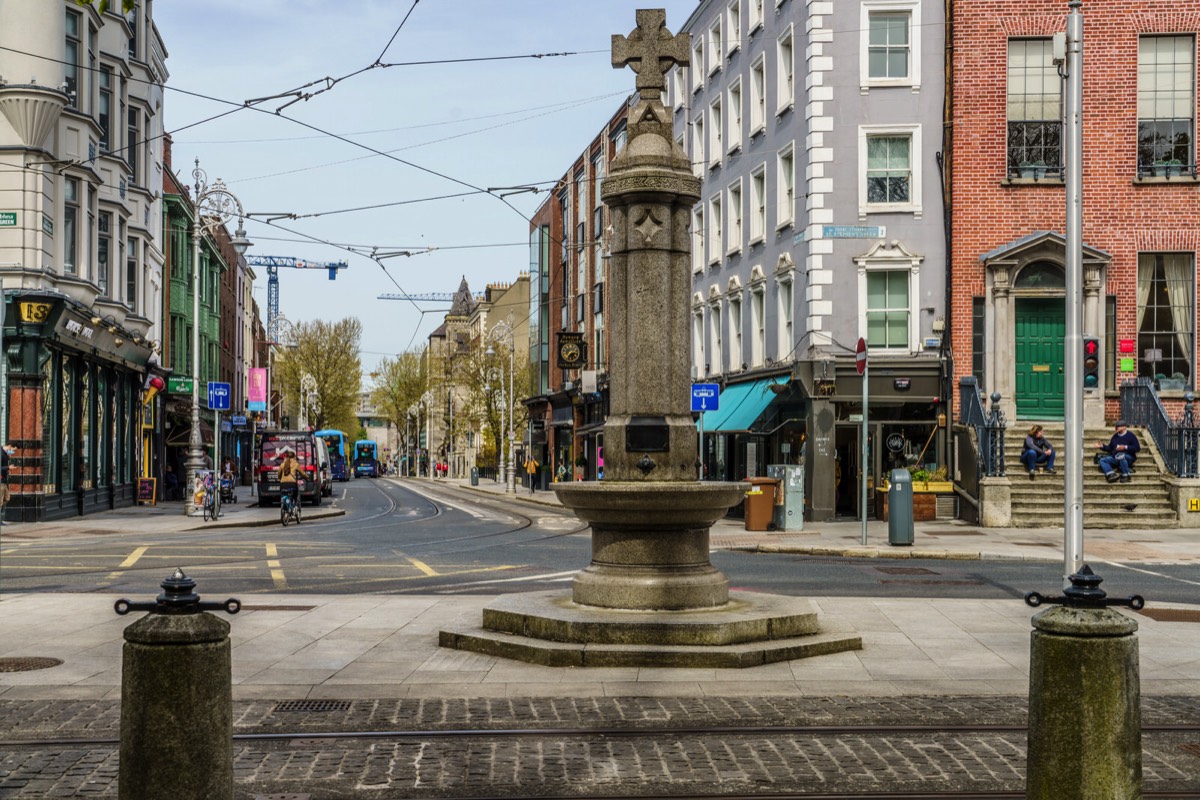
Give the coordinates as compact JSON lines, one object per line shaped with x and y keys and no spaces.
{"x":1091,"y":362}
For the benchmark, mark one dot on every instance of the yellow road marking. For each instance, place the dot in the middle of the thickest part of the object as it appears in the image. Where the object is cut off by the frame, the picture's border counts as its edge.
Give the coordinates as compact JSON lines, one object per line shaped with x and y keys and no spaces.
{"x":423,"y":567}
{"x":133,"y":558}
{"x":273,"y":564}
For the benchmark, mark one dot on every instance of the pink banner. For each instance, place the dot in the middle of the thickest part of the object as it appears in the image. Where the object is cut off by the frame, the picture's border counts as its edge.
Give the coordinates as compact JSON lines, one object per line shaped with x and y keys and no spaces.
{"x":257,"y":389}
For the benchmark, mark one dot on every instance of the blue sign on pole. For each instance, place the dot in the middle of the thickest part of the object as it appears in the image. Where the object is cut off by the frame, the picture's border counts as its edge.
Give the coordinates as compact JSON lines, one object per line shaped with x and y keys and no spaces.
{"x":218,"y":396}
{"x":704,"y":396}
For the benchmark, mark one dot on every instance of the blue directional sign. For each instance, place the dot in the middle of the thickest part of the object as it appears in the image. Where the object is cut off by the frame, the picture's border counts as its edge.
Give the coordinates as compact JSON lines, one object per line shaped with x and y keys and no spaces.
{"x":218,"y":396}
{"x":704,"y":396}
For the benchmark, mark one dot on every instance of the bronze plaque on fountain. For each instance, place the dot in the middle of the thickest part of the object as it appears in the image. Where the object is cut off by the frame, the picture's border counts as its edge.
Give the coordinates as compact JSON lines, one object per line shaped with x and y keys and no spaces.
{"x":647,"y":435}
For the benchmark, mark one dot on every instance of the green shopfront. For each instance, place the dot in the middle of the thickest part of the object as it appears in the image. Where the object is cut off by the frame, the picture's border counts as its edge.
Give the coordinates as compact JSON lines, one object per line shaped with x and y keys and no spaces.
{"x":74,"y":412}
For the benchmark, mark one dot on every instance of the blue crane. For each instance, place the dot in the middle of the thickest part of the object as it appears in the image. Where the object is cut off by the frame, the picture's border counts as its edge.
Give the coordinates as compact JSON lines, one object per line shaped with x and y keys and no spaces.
{"x":273,"y":263}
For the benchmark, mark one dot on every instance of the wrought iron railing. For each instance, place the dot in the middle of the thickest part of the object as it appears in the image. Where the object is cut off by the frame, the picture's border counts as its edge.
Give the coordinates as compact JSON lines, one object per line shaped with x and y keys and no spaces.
{"x":1178,"y":440}
{"x":989,"y":425}
{"x":489,"y":473}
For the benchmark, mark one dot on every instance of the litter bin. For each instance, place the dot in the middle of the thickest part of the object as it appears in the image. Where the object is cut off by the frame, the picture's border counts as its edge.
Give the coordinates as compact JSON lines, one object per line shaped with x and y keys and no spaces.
{"x":474,"y":476}
{"x":900,"y":508}
{"x":760,"y":503}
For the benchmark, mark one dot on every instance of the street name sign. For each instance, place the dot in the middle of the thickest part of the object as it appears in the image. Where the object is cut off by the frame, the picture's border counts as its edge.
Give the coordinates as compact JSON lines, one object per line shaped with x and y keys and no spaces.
{"x":238,"y":420}
{"x":705,"y":396}
{"x":218,"y":396}
{"x":8,"y":219}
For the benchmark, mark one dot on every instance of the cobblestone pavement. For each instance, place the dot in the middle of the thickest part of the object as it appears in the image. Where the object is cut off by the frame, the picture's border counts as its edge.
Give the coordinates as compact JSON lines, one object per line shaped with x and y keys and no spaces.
{"x":650,"y":758}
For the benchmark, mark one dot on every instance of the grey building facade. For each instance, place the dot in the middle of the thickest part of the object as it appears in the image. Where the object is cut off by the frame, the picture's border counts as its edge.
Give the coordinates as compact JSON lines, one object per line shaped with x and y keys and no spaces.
{"x":816,"y":130}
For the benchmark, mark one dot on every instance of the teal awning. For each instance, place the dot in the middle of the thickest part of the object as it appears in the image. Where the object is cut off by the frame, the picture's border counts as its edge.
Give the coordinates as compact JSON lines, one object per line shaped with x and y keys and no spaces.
{"x":740,"y":404}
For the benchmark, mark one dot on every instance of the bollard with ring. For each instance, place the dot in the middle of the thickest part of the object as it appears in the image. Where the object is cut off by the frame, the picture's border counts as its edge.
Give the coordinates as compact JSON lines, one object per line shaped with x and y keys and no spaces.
{"x":1084,"y":695}
{"x":176,"y":665}
{"x":177,"y":597}
{"x":1085,"y":592}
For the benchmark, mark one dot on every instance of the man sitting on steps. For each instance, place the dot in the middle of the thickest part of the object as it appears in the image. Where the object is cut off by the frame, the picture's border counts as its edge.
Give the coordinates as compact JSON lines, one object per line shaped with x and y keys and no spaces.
{"x":1121,"y":451}
{"x":1037,"y":452}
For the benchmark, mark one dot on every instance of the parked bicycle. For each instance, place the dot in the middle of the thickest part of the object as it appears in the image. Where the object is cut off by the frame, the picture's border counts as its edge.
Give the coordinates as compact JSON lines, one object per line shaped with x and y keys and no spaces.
{"x":289,"y":505}
{"x":212,"y":499}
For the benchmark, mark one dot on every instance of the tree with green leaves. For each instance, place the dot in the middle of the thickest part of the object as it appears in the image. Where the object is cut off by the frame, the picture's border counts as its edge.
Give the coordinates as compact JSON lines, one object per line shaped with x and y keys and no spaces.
{"x":328,"y":351}
{"x":484,"y":379}
{"x":102,"y":5}
{"x":398,"y":384}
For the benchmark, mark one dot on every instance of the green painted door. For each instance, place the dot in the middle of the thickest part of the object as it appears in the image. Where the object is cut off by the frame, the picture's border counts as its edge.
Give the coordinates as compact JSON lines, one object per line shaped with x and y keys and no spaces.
{"x":1040,"y":324}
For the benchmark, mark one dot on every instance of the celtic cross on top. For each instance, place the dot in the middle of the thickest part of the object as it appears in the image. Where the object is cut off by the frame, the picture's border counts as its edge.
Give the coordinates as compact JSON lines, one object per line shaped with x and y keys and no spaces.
{"x":650,"y":50}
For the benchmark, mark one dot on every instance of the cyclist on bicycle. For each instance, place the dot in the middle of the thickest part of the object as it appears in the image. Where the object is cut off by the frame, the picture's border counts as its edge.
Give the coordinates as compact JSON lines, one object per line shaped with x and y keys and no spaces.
{"x":289,"y":474}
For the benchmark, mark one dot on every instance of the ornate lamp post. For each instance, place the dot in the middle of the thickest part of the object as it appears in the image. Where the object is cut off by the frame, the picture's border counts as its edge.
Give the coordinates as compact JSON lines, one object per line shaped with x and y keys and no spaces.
{"x":216,"y":206}
{"x":500,"y":330}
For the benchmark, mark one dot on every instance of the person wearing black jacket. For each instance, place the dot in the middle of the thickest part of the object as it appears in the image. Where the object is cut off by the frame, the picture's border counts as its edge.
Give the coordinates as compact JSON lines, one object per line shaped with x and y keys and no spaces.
{"x":6,"y":452}
{"x":1120,"y":453}
{"x":1037,"y":452}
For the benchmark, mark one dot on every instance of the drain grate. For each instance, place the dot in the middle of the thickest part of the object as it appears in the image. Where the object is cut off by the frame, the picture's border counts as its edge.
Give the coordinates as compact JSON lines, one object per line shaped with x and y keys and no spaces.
{"x":308,"y":706}
{"x":247,"y":607}
{"x":22,"y":664}
{"x":1191,"y":749}
{"x":905,"y":571}
{"x":1171,"y":614}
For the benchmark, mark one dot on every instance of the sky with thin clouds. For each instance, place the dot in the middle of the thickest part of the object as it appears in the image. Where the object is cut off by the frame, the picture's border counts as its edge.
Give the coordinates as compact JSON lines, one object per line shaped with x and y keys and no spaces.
{"x":461,"y":126}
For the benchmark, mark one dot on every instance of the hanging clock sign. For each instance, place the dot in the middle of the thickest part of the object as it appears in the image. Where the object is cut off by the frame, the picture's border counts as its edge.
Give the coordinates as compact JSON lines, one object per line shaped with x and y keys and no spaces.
{"x":572,"y":350}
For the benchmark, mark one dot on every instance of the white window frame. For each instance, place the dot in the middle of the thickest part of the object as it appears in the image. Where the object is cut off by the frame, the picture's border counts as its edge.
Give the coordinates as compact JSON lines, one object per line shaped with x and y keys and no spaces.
{"x":716,"y":46}
{"x":733,"y":26}
{"x":698,"y":142}
{"x":758,"y":204}
{"x":715,"y":124}
{"x":698,"y":239}
{"x":697,"y":65}
{"x":714,"y":352}
{"x":785,"y":75}
{"x":758,"y":323}
{"x":678,"y":92}
{"x":714,"y":229}
{"x":913,"y":9}
{"x":754,"y":16}
{"x":734,"y":209}
{"x":734,"y":116}
{"x":736,"y":353}
{"x":896,"y":258}
{"x":758,"y":96}
{"x":786,"y":302}
{"x":913,"y":206}
{"x":698,"y":341}
{"x":785,"y":187}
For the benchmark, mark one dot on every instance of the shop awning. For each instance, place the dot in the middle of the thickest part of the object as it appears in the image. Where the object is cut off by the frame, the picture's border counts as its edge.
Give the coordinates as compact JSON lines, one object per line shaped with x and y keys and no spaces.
{"x":181,"y":435}
{"x":740,"y":404}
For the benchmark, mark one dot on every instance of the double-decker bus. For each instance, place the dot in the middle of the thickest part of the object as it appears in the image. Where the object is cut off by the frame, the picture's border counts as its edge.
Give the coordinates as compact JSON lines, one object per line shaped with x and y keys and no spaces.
{"x":339,"y":464}
{"x":366,"y":462}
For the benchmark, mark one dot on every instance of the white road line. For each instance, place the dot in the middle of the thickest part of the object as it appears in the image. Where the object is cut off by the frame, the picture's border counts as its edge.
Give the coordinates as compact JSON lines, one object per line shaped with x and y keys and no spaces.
{"x":550,"y":576}
{"x":465,"y":509}
{"x":1152,"y":572}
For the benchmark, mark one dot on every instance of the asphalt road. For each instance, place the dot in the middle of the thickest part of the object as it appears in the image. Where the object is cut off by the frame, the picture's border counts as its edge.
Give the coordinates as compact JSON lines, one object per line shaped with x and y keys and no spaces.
{"x":403,"y":539}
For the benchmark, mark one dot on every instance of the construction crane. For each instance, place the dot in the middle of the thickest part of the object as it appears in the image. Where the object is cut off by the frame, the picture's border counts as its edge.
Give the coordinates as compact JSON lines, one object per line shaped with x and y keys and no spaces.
{"x":447,"y":297}
{"x":273,"y":263}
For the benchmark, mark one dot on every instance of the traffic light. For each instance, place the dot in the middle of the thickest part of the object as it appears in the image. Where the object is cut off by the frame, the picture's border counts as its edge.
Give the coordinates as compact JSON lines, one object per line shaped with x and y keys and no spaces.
{"x":1091,"y":362}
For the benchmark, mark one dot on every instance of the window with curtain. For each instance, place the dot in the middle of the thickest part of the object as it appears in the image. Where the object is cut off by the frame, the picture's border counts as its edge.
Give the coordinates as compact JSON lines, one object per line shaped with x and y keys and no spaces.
{"x":887,"y":308}
{"x":1166,"y":96}
{"x":1165,"y":290}
{"x":1034,"y":110}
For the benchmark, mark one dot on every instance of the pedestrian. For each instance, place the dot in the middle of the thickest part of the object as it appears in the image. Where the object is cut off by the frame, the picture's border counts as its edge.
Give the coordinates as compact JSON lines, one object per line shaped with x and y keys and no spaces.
{"x":1037,"y":452}
{"x":560,"y":474}
{"x":6,"y":453}
{"x":1120,"y":453}
{"x":531,"y":468}
{"x":171,"y":484}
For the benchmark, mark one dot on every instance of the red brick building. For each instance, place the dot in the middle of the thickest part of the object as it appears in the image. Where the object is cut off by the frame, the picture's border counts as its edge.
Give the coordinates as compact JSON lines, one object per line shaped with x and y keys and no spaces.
{"x":1141,"y":216}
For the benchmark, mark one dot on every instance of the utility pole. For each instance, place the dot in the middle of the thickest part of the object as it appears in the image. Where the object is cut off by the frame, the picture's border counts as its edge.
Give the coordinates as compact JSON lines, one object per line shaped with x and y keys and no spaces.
{"x":1068,"y":54}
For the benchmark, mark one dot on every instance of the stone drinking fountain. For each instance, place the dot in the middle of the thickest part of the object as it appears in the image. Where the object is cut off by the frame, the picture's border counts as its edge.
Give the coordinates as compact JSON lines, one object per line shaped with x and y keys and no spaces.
{"x":651,"y":596}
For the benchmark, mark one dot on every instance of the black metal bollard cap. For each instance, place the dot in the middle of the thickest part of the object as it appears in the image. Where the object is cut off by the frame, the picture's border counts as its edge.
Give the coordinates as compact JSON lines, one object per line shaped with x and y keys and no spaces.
{"x":178,"y":597}
{"x":1085,"y":592}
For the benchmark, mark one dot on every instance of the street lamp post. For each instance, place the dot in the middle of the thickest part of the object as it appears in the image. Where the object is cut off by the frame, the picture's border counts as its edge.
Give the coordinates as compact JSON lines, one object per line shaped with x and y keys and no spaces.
{"x":501,"y":329}
{"x":215,"y":207}
{"x":503,"y":427}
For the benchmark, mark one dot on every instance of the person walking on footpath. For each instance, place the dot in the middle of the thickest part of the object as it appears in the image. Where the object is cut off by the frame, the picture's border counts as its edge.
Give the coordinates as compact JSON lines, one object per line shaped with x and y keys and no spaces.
{"x":1037,"y":452}
{"x":6,"y":453}
{"x":1120,"y":453}
{"x":531,"y":468}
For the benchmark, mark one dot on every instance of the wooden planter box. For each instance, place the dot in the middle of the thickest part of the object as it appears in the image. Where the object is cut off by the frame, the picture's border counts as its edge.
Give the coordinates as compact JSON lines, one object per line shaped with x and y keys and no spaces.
{"x":924,"y":500}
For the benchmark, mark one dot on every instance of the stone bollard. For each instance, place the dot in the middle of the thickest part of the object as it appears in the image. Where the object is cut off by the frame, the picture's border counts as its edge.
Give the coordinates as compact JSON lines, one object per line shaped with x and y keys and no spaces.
{"x":1085,"y":734}
{"x":176,"y":698}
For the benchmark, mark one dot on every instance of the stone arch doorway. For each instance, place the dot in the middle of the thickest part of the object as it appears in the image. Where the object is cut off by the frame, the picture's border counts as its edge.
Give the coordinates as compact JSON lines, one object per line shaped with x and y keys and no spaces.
{"x":1026,"y":314}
